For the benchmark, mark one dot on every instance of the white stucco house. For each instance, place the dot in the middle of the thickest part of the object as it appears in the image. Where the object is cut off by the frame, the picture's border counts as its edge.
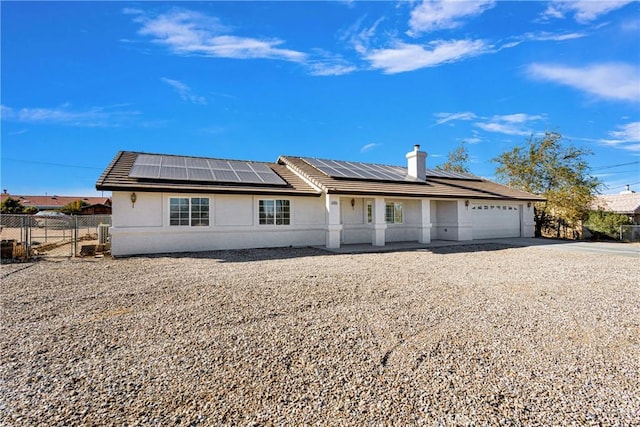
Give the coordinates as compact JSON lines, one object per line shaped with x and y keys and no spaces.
{"x":167,"y":203}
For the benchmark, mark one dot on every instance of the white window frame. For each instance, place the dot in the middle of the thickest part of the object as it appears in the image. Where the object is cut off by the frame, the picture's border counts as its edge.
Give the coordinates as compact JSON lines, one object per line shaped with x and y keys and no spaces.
{"x":282,"y":218}
{"x":189,"y":220}
{"x":397,"y":210}
{"x":369,"y":212}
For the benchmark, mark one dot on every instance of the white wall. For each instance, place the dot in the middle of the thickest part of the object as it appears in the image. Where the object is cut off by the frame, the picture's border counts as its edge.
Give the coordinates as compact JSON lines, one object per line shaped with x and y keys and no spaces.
{"x":144,"y":228}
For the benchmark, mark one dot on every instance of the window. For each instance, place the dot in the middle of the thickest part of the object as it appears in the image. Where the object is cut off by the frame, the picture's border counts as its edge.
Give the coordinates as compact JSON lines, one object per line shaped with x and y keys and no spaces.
{"x":185,"y":211}
{"x":200,"y":211}
{"x":274,"y":212}
{"x":369,"y":212}
{"x":393,"y":213}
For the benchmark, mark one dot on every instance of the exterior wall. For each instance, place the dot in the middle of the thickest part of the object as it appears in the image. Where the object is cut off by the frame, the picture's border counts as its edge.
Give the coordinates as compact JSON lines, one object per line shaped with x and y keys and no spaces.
{"x":454,"y":221}
{"x":445,"y":226}
{"x":356,"y":230}
{"x":354,"y":221}
{"x":143,"y":228}
{"x":408,"y":231}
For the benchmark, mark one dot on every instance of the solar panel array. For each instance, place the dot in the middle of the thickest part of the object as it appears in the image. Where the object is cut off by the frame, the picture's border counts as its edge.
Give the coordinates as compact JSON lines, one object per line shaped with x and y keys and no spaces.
{"x":435,"y":173}
{"x":357,"y":170}
{"x":156,"y":166}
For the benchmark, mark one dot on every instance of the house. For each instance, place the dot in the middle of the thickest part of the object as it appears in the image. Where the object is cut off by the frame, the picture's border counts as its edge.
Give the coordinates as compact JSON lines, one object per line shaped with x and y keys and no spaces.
{"x":167,"y":203}
{"x":57,"y":202}
{"x":625,"y":203}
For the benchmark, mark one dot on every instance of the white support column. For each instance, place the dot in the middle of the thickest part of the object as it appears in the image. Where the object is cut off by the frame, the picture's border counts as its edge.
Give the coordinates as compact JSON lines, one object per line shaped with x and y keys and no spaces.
{"x":425,"y":221}
{"x":527,"y":220}
{"x":334,"y":228}
{"x":379,"y":223}
{"x":465,"y":226}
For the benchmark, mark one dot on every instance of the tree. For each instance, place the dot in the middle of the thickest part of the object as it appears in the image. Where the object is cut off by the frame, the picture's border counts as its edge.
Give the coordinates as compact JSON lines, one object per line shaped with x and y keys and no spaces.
{"x":456,"y":161}
{"x":73,"y":207}
{"x":557,"y":171}
{"x":11,"y":206}
{"x":604,"y":223}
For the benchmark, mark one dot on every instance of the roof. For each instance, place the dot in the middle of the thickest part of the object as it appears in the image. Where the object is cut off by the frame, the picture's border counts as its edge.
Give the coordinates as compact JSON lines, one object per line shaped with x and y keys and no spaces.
{"x":117,"y":177}
{"x":619,"y":203}
{"x":53,"y":202}
{"x":439,"y":187}
{"x":302,"y":178}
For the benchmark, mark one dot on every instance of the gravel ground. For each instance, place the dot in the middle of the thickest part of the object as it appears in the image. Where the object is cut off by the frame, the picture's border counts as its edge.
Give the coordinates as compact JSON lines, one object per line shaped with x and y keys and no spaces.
{"x":452,"y":336}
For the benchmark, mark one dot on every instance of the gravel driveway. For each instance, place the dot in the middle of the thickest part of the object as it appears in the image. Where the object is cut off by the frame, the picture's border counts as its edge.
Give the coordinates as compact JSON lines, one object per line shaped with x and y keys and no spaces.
{"x":462,"y":335}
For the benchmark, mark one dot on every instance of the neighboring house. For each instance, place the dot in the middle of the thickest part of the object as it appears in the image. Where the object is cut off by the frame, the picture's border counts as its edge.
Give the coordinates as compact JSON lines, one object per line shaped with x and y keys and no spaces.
{"x":626,"y":203}
{"x":167,"y":203}
{"x":57,"y":202}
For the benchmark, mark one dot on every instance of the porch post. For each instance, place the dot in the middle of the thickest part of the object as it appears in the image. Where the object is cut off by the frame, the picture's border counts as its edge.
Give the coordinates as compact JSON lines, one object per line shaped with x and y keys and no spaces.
{"x":379,"y":223}
{"x":425,"y":221}
{"x":334,"y":228}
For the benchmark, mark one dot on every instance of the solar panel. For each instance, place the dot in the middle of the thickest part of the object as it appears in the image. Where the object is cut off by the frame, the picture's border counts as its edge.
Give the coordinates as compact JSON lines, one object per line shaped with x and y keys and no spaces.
{"x":200,"y":174}
{"x":435,"y":173}
{"x":157,"y":166}
{"x":225,"y":175}
{"x":357,"y":170}
{"x":374,"y":171}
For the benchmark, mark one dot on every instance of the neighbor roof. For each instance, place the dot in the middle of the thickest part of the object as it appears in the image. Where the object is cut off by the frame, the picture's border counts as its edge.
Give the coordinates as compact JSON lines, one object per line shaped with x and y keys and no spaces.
{"x":619,"y":203}
{"x":53,"y":202}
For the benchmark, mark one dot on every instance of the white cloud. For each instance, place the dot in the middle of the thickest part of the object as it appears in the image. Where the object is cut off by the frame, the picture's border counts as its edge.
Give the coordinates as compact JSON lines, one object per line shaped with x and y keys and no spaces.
{"x":184,"y":91}
{"x":510,"y":124}
{"x":328,"y":64}
{"x":438,"y":15}
{"x":404,"y":57}
{"x":369,"y":147}
{"x":191,"y":33}
{"x":556,"y":37}
{"x":584,"y":11}
{"x":626,"y":137}
{"x":447,"y":117}
{"x":330,"y":69}
{"x":609,"y":80}
{"x":92,"y":117}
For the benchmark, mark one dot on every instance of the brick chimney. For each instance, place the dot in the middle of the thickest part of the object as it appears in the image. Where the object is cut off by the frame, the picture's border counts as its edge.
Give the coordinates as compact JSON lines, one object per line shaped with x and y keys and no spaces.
{"x":417,"y":164}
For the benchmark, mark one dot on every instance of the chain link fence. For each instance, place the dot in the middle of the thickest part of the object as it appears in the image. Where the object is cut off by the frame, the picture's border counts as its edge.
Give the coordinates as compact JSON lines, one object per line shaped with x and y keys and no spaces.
{"x":25,"y":236}
{"x":630,"y":233}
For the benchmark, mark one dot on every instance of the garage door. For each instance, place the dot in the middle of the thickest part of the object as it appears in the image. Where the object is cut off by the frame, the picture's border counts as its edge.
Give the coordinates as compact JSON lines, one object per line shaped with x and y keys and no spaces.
{"x":493,"y":221}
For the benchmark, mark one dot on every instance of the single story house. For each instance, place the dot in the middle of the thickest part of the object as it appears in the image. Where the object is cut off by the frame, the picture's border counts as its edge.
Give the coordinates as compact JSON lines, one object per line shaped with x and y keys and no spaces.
{"x":167,"y":203}
{"x":625,"y":203}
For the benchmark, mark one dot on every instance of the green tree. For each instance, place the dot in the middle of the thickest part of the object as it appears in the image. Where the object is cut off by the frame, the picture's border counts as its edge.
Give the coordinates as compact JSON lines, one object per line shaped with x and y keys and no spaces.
{"x":73,"y":207}
{"x":456,"y":161}
{"x":604,"y":223}
{"x":549,"y":167}
{"x":11,"y":206}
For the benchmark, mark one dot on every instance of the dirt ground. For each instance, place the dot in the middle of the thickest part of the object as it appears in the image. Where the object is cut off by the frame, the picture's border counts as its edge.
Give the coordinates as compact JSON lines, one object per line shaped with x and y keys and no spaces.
{"x":463,"y":335}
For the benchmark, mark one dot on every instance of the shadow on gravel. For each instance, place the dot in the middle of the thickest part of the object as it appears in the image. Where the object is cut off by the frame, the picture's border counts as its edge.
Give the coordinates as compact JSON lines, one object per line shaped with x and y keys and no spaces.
{"x":246,"y":255}
{"x":457,"y":249}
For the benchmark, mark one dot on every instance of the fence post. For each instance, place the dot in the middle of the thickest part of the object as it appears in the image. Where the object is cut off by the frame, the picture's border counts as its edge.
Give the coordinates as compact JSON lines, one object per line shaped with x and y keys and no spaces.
{"x":75,"y":236}
{"x":27,"y":238}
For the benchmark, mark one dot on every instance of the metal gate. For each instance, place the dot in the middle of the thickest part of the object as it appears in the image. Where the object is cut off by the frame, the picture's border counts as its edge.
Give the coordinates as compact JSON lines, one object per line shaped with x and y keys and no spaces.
{"x":26,"y":236}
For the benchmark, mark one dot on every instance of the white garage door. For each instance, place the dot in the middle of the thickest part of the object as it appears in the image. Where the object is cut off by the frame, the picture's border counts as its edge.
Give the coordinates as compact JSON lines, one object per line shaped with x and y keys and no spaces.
{"x":494,"y":221}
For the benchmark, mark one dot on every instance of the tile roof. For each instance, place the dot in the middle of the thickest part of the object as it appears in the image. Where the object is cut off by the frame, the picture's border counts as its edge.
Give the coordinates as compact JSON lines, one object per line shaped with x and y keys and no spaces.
{"x":432,"y":187}
{"x":53,"y":202}
{"x":303,"y":179}
{"x":620,"y":203}
{"x":116,"y":177}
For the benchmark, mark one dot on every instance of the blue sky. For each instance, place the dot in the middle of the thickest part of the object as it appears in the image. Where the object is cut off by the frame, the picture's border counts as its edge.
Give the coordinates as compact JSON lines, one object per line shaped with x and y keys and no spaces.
{"x":361,"y":81}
